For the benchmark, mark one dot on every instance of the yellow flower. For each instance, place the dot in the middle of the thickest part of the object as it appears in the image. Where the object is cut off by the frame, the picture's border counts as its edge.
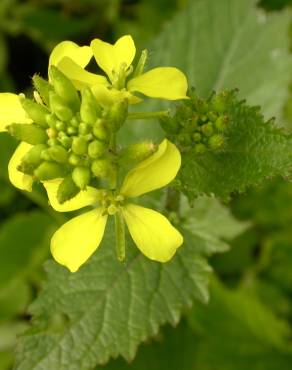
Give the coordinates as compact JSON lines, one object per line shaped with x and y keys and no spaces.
{"x":116,"y":61}
{"x":153,"y":234}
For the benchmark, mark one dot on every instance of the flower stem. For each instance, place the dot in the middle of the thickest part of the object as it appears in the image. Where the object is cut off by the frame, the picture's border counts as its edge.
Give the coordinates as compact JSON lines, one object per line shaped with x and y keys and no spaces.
{"x":120,"y":236}
{"x":148,"y":115}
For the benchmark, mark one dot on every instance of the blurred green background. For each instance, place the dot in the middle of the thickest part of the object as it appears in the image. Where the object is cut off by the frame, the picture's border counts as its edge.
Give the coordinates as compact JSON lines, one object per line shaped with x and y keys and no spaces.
{"x":247,"y":324}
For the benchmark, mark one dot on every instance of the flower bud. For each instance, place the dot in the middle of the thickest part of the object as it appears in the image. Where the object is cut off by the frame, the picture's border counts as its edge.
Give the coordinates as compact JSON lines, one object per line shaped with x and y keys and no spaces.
{"x":53,"y":141}
{"x":137,"y":152}
{"x":89,"y":109}
{"x":197,"y":137}
{"x":216,"y":142}
{"x":30,"y":133}
{"x":207,"y":129}
{"x":222,"y":122}
{"x":117,"y":115}
{"x":99,"y":130}
{"x":60,"y":126}
{"x":58,"y":153}
{"x":101,"y":168}
{"x":67,"y":190}
{"x":200,"y":148}
{"x":64,"y":88}
{"x":74,"y":160}
{"x":35,"y":111}
{"x":59,"y":107}
{"x":220,"y":101}
{"x":49,"y":171}
{"x":96,"y":149}
{"x":169,"y":124}
{"x":81,"y":176}
{"x":33,"y":156}
{"x":79,"y":145}
{"x":84,"y":128}
{"x":43,"y":87}
{"x":51,"y":120}
{"x":66,"y":141}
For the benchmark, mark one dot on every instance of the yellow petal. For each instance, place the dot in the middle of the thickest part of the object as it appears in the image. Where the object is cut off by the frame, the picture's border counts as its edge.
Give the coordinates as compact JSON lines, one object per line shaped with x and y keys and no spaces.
{"x":77,"y":239}
{"x":79,"y":76}
{"x":17,"y":178}
{"x":83,"y":199}
{"x":155,"y":172}
{"x":81,"y":55}
{"x":152,"y":232}
{"x":110,"y":57}
{"x":11,"y":111}
{"x":108,"y":97}
{"x":165,"y":83}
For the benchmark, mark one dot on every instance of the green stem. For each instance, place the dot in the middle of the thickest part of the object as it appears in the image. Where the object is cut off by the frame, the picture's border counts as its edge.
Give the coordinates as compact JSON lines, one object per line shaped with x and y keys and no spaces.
{"x":120,"y":236}
{"x":172,"y":203}
{"x":148,"y":115}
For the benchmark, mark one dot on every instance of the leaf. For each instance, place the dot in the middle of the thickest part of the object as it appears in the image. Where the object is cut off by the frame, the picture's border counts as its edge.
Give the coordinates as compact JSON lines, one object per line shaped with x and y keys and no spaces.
{"x":230,"y":44}
{"x":20,"y":237}
{"x":108,"y":308}
{"x":236,"y":328}
{"x":254,"y":150}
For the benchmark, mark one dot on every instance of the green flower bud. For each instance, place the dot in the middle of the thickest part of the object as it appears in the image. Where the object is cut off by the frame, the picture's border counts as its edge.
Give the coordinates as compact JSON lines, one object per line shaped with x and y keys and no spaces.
{"x":71,"y":130}
{"x":67,"y":190}
{"x":117,"y":115}
{"x":61,"y":126}
{"x":137,"y":152}
{"x":184,"y":138}
{"x":79,"y":145}
{"x":29,"y":133}
{"x":58,"y":153}
{"x":35,"y":111}
{"x":222,"y":123}
{"x":207,"y":129}
{"x":66,"y":141}
{"x":170,"y":124}
{"x":220,"y":101}
{"x":200,"y":148}
{"x":50,"y":171}
{"x":74,"y":122}
{"x":96,"y":149}
{"x":84,"y":128}
{"x":59,"y":107}
{"x":51,"y":120}
{"x":64,"y":88}
{"x":52,"y":132}
{"x":81,"y":176}
{"x":74,"y":160}
{"x":89,"y":109}
{"x":212,"y":116}
{"x":33,"y":156}
{"x":102,"y":168}
{"x":43,"y":87}
{"x":216,"y":142}
{"x":99,"y":130}
{"x":197,"y":137}
{"x":45,"y":155}
{"x":53,"y":142}
{"x":88,"y":137}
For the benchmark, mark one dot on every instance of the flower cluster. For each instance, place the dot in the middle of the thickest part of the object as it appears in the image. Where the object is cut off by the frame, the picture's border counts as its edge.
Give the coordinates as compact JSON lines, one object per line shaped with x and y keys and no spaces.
{"x":200,"y":125}
{"x":68,"y":143}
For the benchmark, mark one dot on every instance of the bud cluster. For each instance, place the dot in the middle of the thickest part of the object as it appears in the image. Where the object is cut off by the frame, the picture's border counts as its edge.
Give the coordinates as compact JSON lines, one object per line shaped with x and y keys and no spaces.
{"x":200,"y":125}
{"x":70,"y":135}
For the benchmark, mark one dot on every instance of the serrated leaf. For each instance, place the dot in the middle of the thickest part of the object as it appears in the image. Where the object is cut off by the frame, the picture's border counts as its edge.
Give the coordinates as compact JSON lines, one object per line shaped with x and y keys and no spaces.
{"x":254,"y":151}
{"x":108,"y":308}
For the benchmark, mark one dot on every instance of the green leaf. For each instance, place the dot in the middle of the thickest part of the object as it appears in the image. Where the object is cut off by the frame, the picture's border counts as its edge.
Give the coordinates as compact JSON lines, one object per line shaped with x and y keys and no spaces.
{"x":254,"y":150}
{"x":230,"y":44}
{"x":236,"y":328}
{"x":107,"y":308}
{"x":20,"y":238}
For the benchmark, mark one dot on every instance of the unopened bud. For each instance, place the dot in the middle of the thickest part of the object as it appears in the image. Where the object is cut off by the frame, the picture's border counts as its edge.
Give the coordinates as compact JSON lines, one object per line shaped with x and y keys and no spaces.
{"x":117,"y":115}
{"x":51,"y":120}
{"x":200,"y":148}
{"x":197,"y":137}
{"x":35,"y":111}
{"x":49,"y":171}
{"x":67,"y":190}
{"x":74,"y":160}
{"x":96,"y":149}
{"x":84,"y":128}
{"x":52,"y":132}
{"x":43,"y":87}
{"x":71,"y":130}
{"x":66,"y":141}
{"x":59,"y":107}
{"x":135,"y":153}
{"x":207,"y":129}
{"x":169,"y":124}
{"x":101,"y":168}
{"x":33,"y":156}
{"x":64,"y":88}
{"x":99,"y":130}
{"x":79,"y":145}
{"x":222,"y":122}
{"x":89,"y":109}
{"x":58,"y":153}
{"x":53,"y":141}
{"x":220,"y":101}
{"x":60,"y":126}
{"x":216,"y":142}
{"x":81,"y":176}
{"x":30,"y":133}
